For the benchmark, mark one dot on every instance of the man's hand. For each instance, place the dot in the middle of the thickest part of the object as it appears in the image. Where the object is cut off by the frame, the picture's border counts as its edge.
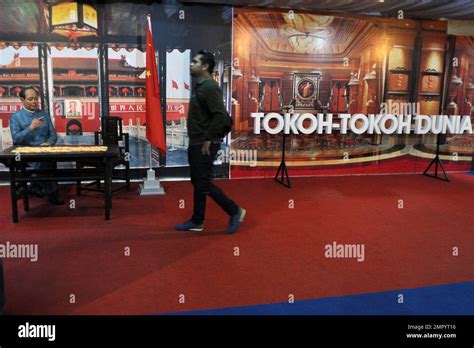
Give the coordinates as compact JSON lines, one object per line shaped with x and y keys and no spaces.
{"x":44,"y":144}
{"x":206,"y":148}
{"x":36,"y":123}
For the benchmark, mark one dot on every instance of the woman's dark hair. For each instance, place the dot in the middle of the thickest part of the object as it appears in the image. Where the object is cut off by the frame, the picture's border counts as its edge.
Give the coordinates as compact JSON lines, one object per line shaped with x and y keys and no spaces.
{"x":208,"y":58}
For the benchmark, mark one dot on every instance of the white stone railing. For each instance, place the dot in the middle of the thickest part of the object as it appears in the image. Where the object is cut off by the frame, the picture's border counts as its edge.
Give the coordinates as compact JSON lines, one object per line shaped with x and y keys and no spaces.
{"x":176,"y":134}
{"x":5,"y":137}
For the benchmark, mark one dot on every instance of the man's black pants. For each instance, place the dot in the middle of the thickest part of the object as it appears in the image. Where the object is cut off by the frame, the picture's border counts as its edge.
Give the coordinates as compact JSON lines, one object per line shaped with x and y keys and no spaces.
{"x":201,"y":177}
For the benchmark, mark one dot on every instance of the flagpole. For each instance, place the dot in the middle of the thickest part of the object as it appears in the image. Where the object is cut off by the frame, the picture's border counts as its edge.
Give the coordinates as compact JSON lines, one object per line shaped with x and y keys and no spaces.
{"x":151,"y":157}
{"x":150,"y":186}
{"x":148,"y":17}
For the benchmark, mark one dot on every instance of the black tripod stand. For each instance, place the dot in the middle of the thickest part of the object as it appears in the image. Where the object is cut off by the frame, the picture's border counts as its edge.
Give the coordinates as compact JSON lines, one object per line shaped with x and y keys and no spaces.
{"x":436,"y":161}
{"x":282,"y":169}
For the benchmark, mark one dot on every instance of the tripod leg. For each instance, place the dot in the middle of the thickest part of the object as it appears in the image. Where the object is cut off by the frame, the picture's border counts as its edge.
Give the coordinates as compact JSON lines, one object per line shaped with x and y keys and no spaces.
{"x":282,"y":168}
{"x":437,"y":162}
{"x":429,"y":166}
{"x":278,"y":171}
{"x":287,"y":177}
{"x":444,"y":172}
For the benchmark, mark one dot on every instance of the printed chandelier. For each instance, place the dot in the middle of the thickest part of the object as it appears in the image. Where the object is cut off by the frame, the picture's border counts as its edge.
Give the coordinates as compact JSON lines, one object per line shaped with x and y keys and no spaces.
{"x":307,"y":33}
{"x":306,"y":42}
{"x":73,"y":19}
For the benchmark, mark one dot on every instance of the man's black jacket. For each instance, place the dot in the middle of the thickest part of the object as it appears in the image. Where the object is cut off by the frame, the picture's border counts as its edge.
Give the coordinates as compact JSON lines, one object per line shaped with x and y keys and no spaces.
{"x":207,"y":115}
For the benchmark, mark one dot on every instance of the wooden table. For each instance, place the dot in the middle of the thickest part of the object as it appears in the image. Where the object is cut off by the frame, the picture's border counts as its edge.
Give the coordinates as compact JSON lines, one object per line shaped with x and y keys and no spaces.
{"x":20,"y":175}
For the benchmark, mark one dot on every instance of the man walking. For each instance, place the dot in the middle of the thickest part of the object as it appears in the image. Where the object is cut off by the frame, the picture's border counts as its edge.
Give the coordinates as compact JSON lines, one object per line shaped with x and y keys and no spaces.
{"x":206,"y":125}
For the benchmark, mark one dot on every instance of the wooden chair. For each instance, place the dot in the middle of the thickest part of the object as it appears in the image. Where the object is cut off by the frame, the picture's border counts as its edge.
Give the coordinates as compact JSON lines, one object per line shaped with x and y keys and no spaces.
{"x":111,"y":133}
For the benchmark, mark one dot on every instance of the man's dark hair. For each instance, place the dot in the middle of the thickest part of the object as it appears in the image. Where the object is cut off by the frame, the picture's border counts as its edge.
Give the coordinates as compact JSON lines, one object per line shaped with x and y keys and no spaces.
{"x":22,"y":93}
{"x":208,"y":58}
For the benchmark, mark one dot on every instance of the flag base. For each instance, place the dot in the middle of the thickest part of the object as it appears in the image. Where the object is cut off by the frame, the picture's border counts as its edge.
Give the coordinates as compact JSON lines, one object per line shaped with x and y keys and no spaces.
{"x":151,"y":185}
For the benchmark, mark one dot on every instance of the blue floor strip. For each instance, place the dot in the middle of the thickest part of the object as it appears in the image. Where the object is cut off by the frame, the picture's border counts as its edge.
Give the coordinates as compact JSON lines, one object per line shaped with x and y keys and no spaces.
{"x":452,"y":299}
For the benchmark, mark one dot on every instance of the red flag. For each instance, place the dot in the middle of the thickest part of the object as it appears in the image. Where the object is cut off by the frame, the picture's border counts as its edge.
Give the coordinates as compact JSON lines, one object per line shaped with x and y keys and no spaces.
{"x":154,"y":118}
{"x":186,"y":86}
{"x":174,"y":84}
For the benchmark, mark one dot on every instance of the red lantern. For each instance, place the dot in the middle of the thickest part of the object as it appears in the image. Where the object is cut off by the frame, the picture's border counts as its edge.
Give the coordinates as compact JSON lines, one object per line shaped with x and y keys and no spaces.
{"x":2,"y":90}
{"x":140,"y":91}
{"x":93,"y":90}
{"x":125,"y":90}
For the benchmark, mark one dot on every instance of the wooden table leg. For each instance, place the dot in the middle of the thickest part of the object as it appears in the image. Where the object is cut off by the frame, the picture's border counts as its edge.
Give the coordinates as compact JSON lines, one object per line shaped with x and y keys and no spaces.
{"x":26,"y":202}
{"x":24,"y":185}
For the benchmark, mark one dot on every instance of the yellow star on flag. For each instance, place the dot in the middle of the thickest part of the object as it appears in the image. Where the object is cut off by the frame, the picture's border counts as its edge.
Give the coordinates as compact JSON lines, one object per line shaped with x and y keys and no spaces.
{"x":148,"y":73}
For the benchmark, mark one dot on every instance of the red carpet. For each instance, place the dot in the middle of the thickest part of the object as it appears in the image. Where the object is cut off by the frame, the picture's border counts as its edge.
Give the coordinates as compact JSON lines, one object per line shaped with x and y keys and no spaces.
{"x":281,"y":249}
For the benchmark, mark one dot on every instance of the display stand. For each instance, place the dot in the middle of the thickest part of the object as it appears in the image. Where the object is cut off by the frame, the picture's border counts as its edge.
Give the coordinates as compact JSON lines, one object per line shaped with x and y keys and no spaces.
{"x":151,"y":185}
{"x":437,"y":162}
{"x":281,"y":175}
{"x":282,"y":169}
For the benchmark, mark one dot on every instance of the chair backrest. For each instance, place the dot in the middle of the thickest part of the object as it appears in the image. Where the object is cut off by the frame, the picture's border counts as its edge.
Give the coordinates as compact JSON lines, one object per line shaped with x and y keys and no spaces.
{"x":73,"y":127}
{"x":111,"y":132}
